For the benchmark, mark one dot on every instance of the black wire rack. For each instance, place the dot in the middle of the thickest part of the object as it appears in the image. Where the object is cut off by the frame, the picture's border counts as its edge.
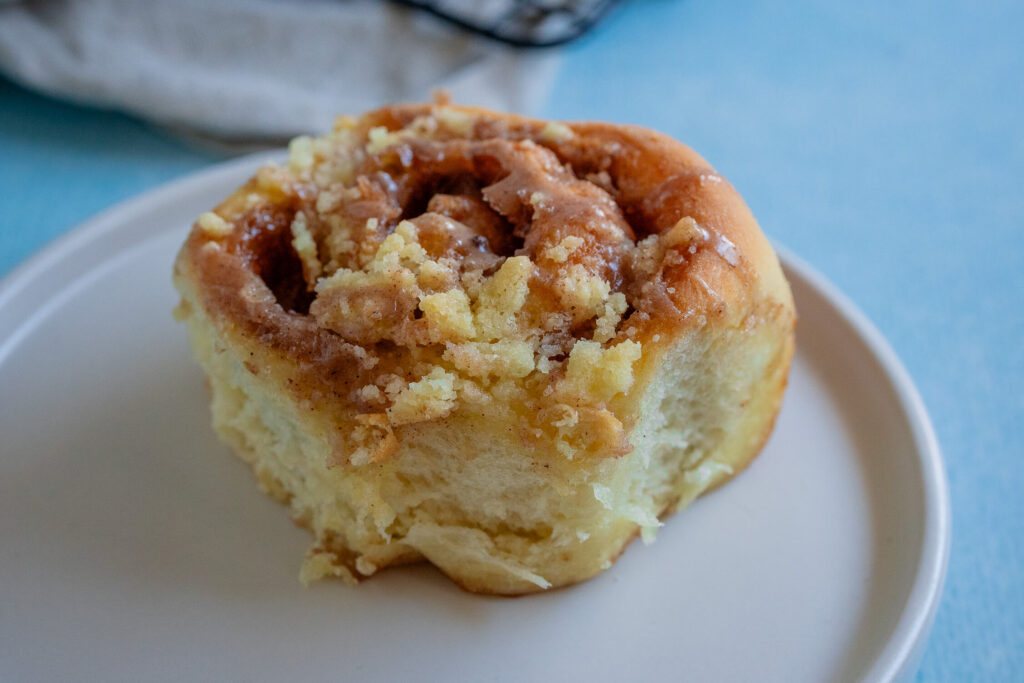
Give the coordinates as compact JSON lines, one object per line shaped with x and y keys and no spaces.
{"x":521,"y":23}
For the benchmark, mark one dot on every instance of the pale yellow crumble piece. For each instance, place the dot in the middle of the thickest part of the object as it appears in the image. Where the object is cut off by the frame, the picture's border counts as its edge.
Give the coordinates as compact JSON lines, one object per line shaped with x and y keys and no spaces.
{"x":686,"y":231}
{"x":361,"y":282}
{"x":614,"y":307}
{"x":305,"y":247}
{"x":456,"y":121}
{"x":213,"y":225}
{"x":599,"y":373}
{"x":340,"y":237}
{"x":391,"y":384}
{"x":400,"y":248}
{"x":501,"y":297}
{"x":647,"y":257}
{"x":330,"y":199}
{"x":344,"y":122}
{"x":432,"y":396}
{"x":333,"y":167}
{"x":437,"y":275}
{"x":582,"y":293}
{"x":380,"y":139}
{"x":300,"y":154}
{"x":560,"y":252}
{"x":448,"y":314}
{"x":556,"y":131}
{"x":422,"y":127}
{"x":507,"y":358}
{"x":272,"y":179}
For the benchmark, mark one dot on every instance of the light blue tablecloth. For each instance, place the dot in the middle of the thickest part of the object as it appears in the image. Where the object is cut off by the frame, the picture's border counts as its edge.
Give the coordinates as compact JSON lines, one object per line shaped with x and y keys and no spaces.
{"x":882,"y":141}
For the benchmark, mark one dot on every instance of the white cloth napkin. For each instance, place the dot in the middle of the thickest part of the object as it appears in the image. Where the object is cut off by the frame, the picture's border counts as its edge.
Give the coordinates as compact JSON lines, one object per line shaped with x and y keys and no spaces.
{"x":258,"y":69}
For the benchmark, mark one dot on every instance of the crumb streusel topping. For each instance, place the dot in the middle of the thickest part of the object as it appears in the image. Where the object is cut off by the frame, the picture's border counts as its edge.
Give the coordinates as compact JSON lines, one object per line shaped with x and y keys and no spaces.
{"x":420,"y":259}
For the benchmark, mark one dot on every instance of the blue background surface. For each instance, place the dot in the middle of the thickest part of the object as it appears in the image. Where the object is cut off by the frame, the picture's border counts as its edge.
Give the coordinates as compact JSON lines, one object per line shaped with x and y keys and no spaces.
{"x":881,"y":141}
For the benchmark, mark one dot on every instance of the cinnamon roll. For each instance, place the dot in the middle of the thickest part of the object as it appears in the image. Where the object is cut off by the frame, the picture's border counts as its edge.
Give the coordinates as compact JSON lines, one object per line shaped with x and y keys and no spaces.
{"x":501,"y":345}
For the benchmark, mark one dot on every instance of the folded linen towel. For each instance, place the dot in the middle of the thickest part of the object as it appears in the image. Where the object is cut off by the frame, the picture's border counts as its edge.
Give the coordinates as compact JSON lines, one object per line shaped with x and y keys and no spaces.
{"x":257,"y":69}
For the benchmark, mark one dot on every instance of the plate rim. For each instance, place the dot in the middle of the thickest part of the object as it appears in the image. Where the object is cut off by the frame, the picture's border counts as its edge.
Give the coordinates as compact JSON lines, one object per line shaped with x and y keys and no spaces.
{"x":907,"y":642}
{"x":901,"y":656}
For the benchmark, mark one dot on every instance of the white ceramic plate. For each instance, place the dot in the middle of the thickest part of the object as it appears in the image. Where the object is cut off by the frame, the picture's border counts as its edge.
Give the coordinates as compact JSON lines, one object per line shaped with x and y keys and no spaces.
{"x":133,"y":546}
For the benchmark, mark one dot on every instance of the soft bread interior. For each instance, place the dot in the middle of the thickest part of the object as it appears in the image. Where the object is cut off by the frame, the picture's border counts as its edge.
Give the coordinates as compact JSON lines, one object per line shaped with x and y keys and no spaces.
{"x":466,"y":495}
